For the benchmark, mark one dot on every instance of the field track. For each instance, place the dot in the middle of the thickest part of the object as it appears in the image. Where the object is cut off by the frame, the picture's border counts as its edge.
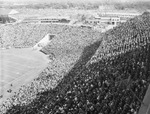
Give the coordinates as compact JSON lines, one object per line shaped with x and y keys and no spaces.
{"x":18,"y":67}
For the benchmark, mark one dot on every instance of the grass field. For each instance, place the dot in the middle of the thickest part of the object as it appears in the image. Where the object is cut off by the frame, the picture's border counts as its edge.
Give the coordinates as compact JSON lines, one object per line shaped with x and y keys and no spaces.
{"x":18,"y":67}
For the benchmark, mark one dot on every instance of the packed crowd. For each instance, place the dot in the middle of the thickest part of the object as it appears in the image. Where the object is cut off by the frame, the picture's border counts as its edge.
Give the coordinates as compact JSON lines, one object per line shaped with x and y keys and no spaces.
{"x":67,"y":48}
{"x":99,"y":88}
{"x":23,"y":35}
{"x":124,"y":38}
{"x":27,"y":35}
{"x":114,"y":83}
{"x":69,"y":40}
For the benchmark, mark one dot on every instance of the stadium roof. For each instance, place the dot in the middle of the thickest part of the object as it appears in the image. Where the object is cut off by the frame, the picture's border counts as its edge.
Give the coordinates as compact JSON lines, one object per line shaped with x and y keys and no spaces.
{"x":56,"y":17}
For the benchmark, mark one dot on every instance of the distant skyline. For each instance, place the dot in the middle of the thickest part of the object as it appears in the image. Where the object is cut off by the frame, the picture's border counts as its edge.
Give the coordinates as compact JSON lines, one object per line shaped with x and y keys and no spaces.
{"x":24,"y":1}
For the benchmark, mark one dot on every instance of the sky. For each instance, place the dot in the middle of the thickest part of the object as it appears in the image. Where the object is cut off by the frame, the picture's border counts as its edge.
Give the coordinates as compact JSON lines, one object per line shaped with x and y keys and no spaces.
{"x":71,"y":0}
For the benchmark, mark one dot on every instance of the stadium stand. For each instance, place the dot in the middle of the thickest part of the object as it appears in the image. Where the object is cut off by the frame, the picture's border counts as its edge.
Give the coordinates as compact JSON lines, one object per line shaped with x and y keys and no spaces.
{"x":27,"y":35}
{"x":113,"y":81}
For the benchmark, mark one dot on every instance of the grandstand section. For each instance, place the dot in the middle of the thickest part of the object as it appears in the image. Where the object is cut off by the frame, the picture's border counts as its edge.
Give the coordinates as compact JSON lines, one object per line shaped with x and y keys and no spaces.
{"x":138,"y":30}
{"x":27,"y":35}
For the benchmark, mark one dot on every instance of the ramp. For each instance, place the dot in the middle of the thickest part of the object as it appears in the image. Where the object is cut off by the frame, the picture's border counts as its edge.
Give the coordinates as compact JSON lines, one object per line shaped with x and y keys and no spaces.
{"x":42,"y":43}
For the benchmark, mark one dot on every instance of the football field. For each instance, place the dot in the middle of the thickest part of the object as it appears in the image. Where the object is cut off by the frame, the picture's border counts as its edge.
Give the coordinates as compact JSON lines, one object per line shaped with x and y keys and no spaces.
{"x":18,"y":67}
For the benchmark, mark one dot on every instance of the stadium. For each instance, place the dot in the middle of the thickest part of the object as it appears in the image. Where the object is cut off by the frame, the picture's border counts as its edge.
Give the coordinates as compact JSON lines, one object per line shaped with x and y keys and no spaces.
{"x":63,"y":69}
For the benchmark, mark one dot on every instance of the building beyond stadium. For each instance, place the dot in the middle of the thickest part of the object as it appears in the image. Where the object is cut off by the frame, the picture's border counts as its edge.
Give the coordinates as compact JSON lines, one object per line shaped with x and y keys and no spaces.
{"x":111,"y":17}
